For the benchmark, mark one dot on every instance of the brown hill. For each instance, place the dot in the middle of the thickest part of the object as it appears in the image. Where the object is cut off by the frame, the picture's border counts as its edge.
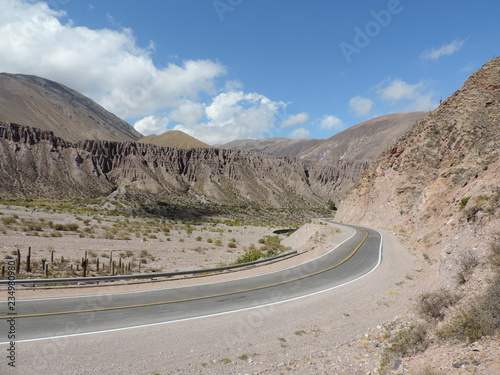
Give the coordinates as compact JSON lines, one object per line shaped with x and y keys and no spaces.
{"x":365,"y":141}
{"x":36,"y":163}
{"x":174,"y":138}
{"x":274,"y":146}
{"x":48,"y":105}
{"x":362,"y":142}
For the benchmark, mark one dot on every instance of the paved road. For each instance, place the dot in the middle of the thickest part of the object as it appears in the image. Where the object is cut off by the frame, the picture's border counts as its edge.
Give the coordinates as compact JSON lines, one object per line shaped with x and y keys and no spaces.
{"x":42,"y":318}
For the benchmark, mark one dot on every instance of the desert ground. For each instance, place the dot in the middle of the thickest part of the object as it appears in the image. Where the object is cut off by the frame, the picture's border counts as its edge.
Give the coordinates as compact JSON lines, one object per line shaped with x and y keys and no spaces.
{"x":343,"y":331}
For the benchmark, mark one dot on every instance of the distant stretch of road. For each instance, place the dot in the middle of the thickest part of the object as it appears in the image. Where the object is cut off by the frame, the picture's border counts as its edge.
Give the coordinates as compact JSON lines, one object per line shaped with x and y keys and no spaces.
{"x":58,"y":317}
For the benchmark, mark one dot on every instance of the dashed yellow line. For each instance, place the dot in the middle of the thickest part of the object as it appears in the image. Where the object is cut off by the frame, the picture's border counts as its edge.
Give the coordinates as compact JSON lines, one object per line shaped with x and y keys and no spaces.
{"x":195,"y":298}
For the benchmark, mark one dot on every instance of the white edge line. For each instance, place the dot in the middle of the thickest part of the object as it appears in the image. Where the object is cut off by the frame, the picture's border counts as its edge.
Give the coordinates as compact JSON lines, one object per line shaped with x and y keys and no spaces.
{"x":188,"y":286}
{"x":209,"y":315}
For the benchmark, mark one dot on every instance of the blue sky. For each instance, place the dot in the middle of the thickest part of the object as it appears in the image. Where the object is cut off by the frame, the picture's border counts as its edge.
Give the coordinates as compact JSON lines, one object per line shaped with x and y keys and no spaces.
{"x":233,"y":69}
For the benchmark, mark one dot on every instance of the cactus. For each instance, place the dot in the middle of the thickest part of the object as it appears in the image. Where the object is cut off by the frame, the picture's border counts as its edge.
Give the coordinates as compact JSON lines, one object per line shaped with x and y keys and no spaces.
{"x":18,"y":263}
{"x":85,"y":262}
{"x":28,"y":260}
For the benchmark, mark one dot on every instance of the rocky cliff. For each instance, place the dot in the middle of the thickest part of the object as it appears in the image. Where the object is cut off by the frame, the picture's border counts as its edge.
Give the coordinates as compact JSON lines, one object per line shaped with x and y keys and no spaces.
{"x":440,"y":182}
{"x":37,"y":163}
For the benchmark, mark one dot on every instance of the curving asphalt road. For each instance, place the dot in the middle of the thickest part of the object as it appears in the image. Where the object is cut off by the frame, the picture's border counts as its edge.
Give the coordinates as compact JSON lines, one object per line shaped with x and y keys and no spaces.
{"x":55,"y":317}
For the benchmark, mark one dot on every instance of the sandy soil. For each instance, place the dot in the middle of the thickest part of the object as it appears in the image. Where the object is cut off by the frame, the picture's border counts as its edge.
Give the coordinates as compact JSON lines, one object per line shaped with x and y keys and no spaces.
{"x":341,"y":331}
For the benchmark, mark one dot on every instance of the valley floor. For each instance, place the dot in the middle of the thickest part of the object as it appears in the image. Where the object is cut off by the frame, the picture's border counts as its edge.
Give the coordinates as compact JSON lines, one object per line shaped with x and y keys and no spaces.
{"x":342,"y":331}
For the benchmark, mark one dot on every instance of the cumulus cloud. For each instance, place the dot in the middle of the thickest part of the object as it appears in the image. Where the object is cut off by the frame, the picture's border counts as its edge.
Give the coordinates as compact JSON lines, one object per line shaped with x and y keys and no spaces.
{"x":105,"y":64}
{"x":331,"y":122}
{"x":298,"y":119}
{"x":300,"y":133}
{"x":235,"y":115}
{"x":188,"y":112}
{"x":361,"y":106}
{"x":110,"y":67}
{"x":152,"y":125}
{"x":405,"y":96}
{"x":444,"y":50}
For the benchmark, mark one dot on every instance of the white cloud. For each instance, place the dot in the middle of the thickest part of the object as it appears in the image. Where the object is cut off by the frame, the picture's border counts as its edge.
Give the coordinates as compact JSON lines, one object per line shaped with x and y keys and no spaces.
{"x":108,"y":66}
{"x":331,"y":122}
{"x":361,"y":106}
{"x":151,"y":125}
{"x":235,"y":115}
{"x":406,"y":97}
{"x":298,"y":119}
{"x":188,"y":112}
{"x":398,"y":89}
{"x":300,"y":133}
{"x":105,"y":64}
{"x":444,"y":50}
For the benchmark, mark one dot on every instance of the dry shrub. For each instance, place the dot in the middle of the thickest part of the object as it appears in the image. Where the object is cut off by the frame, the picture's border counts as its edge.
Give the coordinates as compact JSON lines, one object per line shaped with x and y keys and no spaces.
{"x":434,"y":304}
{"x":467,"y":261}
{"x":408,"y":340}
{"x":481,"y":318}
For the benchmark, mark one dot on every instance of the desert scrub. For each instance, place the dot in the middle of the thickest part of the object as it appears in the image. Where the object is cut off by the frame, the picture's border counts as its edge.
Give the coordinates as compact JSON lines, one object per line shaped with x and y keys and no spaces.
{"x":433,"y":305}
{"x":272,"y":244}
{"x":467,"y":262}
{"x":250,"y":256}
{"x":482,"y":316}
{"x":463,"y":202}
{"x":8,"y":220}
{"x":409,"y":339}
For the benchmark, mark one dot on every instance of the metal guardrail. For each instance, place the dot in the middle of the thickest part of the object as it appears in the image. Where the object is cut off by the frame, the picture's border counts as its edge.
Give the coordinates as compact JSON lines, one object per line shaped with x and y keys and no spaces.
{"x":73,"y":280}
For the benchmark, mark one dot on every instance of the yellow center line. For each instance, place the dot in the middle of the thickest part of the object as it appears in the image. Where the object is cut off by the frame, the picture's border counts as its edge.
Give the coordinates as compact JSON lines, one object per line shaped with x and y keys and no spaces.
{"x":194,"y":298}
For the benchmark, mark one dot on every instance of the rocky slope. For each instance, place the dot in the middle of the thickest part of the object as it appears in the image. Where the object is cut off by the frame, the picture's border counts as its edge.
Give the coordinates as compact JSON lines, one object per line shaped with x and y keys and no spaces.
{"x":438,"y":187}
{"x":274,"y":146}
{"x":422,"y":182}
{"x":48,"y":105}
{"x":37,"y":163}
{"x":365,"y":141}
{"x":174,"y":138}
{"x":362,"y":142}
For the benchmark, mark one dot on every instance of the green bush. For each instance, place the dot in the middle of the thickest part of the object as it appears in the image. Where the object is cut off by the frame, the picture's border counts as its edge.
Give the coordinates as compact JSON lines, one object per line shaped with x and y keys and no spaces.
{"x":331,"y":205}
{"x":463,"y":202}
{"x":249,"y":256}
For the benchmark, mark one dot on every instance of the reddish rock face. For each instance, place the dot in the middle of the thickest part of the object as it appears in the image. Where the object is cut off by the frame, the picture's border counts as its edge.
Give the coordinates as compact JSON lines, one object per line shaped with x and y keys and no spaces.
{"x":37,"y":163}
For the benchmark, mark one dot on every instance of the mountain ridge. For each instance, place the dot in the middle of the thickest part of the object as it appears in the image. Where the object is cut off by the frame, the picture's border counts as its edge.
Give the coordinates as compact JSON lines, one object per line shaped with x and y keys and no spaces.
{"x":49,"y":105}
{"x":37,"y":163}
{"x":364,"y":141}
